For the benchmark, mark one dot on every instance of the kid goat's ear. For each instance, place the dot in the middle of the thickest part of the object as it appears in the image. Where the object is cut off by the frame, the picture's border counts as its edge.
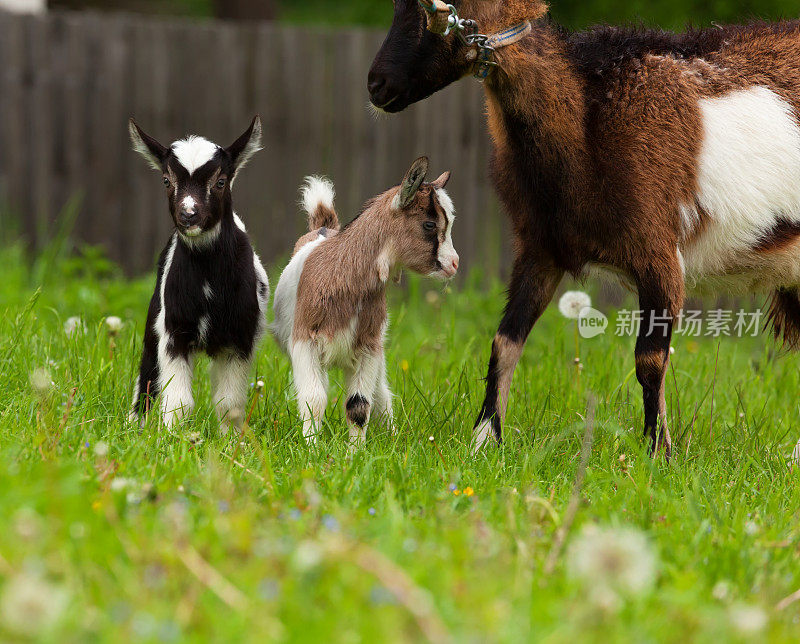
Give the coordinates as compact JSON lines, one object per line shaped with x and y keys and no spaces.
{"x":243,"y":148}
{"x":441,"y":182}
{"x":412,"y":181}
{"x":153,"y":152}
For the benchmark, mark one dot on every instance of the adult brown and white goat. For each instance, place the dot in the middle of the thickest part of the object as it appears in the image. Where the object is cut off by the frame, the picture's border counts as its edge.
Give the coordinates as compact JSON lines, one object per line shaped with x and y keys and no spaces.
{"x":211,"y":290}
{"x":671,"y":159}
{"x":330,"y":302}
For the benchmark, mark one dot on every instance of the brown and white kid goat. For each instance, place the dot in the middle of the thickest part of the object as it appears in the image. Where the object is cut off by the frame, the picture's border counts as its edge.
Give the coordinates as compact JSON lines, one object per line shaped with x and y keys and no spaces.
{"x":330,"y":302}
{"x":671,"y":159}
{"x":211,"y":290}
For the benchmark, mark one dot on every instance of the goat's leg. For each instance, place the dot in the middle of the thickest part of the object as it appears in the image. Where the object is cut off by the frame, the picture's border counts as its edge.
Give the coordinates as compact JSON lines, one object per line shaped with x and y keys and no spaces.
{"x":361,"y":384}
{"x":229,"y":380}
{"x":311,"y":387}
{"x":145,"y":389}
{"x":175,"y":384}
{"x":660,"y":300}
{"x":382,"y":405}
{"x":533,"y":283}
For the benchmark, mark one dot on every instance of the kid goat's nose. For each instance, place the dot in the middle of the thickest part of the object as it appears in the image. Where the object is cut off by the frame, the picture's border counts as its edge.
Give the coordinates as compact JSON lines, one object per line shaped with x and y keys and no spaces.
{"x":188,"y":211}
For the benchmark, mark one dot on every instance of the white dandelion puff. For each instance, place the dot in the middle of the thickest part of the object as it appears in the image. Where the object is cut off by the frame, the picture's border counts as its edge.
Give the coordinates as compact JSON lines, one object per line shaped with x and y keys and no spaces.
{"x":721,"y":590}
{"x":796,"y":455}
{"x":101,"y":449}
{"x":113,"y":324}
{"x":121,"y":483}
{"x":748,"y":619}
{"x":41,"y":381}
{"x":751,"y":528}
{"x":31,"y":605}
{"x":612,"y":561}
{"x":572,"y":303}
{"x":73,"y":326}
{"x":307,"y":556}
{"x":27,"y":523}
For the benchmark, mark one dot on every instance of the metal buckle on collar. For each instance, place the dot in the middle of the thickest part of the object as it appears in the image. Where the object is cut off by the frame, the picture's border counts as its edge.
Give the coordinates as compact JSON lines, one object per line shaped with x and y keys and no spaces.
{"x":467,"y":32}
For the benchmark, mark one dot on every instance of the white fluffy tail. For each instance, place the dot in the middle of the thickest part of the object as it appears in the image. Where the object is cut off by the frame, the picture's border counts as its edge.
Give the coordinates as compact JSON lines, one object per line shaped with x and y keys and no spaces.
{"x":316,"y":197}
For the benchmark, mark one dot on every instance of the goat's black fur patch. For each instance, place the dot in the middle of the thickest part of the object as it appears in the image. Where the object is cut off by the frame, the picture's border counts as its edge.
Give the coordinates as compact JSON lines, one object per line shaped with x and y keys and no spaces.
{"x":357,"y":409}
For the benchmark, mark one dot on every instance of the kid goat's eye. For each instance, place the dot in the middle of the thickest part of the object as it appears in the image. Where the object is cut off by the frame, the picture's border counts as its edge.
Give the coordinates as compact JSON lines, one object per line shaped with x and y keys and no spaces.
{"x":221,"y":183}
{"x":166,"y":182}
{"x":429,"y":225}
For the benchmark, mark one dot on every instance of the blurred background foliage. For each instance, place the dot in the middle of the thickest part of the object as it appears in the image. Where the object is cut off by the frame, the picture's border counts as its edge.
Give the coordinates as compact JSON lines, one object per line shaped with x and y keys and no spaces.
{"x":575,"y":14}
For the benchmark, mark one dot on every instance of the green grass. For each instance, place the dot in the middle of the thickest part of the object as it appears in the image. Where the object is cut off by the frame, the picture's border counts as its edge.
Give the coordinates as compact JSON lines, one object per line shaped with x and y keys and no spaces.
{"x":152,"y":535}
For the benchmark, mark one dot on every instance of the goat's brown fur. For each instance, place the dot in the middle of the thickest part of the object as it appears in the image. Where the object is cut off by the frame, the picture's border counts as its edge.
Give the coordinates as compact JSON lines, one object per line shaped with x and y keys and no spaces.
{"x":597,"y":142}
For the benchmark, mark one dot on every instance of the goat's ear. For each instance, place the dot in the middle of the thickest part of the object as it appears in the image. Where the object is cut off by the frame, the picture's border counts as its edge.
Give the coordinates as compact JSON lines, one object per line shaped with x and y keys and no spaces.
{"x":441,"y":182}
{"x":412,"y":181}
{"x":243,"y":148}
{"x":153,"y":152}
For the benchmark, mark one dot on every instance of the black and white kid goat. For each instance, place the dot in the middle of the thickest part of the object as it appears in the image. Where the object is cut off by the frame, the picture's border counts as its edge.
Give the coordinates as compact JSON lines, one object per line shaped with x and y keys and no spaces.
{"x":212,"y":291}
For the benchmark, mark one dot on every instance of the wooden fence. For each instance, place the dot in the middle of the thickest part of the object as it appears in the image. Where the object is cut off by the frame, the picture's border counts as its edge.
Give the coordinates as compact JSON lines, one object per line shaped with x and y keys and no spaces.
{"x":70,"y":81}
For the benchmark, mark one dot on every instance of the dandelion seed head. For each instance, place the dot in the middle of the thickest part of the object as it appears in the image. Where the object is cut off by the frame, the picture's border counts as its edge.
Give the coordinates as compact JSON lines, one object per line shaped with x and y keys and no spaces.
{"x":121,"y":483}
{"x":796,"y":454}
{"x":27,"y":523}
{"x":30,"y":604}
{"x":101,"y":449}
{"x":113,"y":324}
{"x":619,"y":559}
{"x":41,"y":381}
{"x":748,"y":619}
{"x":572,"y":303}
{"x":73,"y":326}
{"x":721,"y":591}
{"x":307,"y":556}
{"x":751,"y":528}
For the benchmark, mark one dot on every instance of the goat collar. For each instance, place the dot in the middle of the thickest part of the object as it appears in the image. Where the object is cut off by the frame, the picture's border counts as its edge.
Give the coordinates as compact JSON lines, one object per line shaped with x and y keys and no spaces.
{"x":443,"y":19}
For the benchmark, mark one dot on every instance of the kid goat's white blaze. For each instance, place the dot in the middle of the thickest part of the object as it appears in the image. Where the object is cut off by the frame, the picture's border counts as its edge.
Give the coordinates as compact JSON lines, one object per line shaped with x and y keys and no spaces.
{"x":175,"y":373}
{"x":189,"y":204}
{"x":749,"y":177}
{"x":447,"y":252}
{"x":194,"y":152}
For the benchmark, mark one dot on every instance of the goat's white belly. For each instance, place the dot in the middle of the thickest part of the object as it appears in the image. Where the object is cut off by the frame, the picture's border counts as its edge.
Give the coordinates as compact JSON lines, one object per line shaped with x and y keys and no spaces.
{"x":748,"y":181}
{"x":285,"y":298}
{"x":338,"y":351}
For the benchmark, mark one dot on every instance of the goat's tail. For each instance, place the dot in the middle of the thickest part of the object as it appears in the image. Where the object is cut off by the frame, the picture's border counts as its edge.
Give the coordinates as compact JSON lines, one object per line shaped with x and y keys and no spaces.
{"x":316,"y":197}
{"x":784,"y":316}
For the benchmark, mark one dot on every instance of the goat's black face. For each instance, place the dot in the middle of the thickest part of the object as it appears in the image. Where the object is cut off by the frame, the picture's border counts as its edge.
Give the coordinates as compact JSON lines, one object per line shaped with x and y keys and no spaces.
{"x":198,"y":176}
{"x":414,"y":63}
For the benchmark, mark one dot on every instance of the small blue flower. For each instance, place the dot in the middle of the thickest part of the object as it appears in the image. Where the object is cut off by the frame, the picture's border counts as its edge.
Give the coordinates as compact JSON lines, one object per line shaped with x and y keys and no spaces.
{"x":381,"y":595}
{"x":330,"y":523}
{"x":452,"y":487}
{"x":269,"y":589}
{"x":371,"y":512}
{"x":86,"y":444}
